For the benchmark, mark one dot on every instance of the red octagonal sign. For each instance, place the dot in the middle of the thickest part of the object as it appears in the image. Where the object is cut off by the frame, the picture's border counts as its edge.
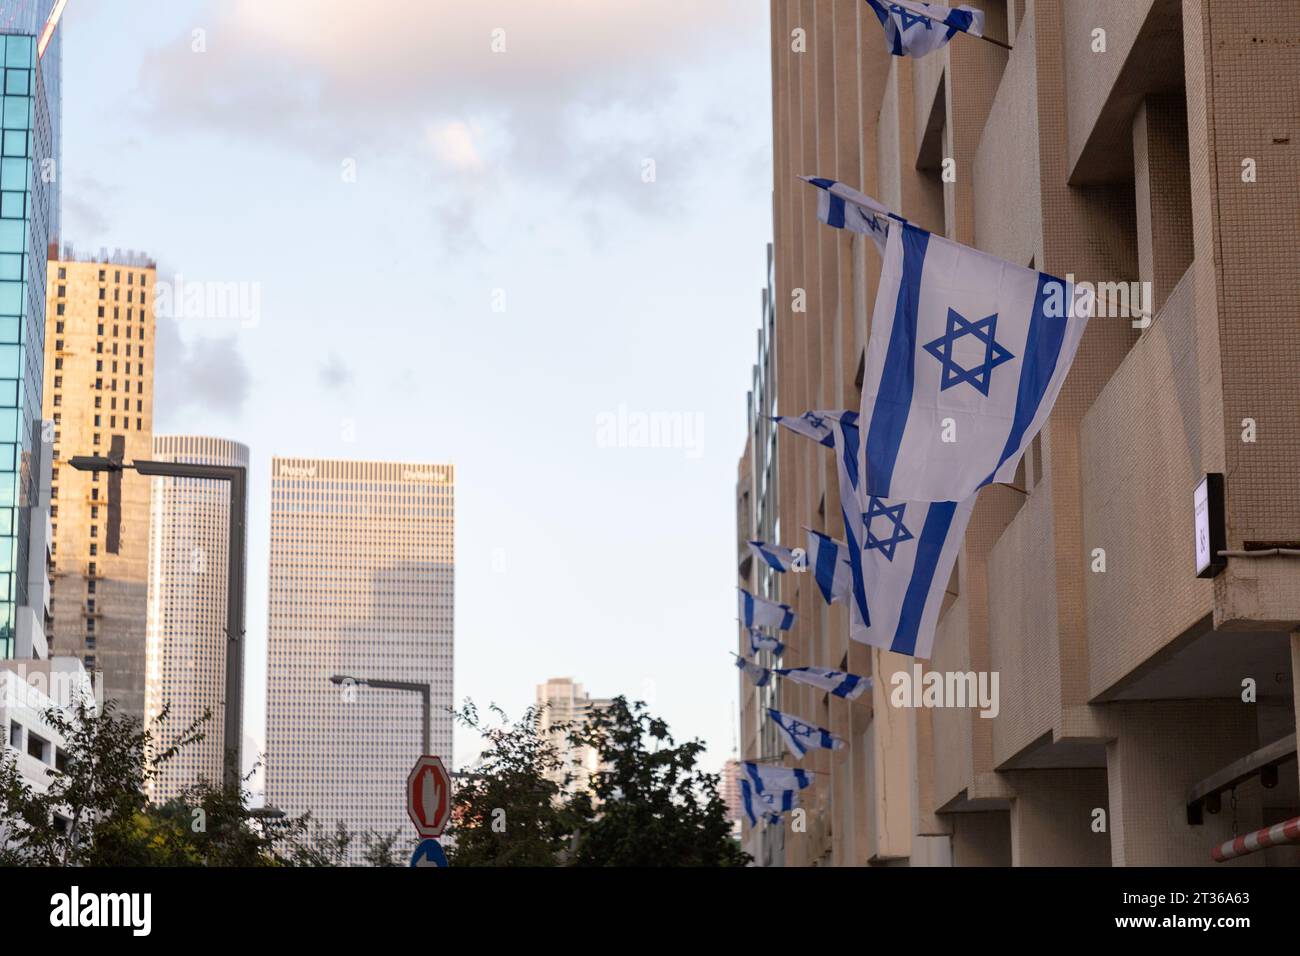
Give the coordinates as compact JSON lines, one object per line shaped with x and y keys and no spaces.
{"x":428,"y":796}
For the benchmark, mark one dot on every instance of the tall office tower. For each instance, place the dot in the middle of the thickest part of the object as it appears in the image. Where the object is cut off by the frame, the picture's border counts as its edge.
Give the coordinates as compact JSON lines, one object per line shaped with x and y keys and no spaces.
{"x":563,"y":703}
{"x":185,"y":646}
{"x":361,"y":577}
{"x":99,"y":394}
{"x":29,"y":225}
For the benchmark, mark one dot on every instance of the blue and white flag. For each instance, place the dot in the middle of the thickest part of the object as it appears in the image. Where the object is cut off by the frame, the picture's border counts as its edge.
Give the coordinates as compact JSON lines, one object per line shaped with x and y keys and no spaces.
{"x":814,"y":425}
{"x":801,"y":737}
{"x":758,"y":676}
{"x":771,"y":804}
{"x":838,"y":683}
{"x":769,"y":777}
{"x":848,"y":466}
{"x":967,"y":355}
{"x":909,"y":550}
{"x":758,"y":641}
{"x":915,"y":29}
{"x":778,"y":558}
{"x":830,"y":566}
{"x":843,"y":207}
{"x":760,"y":612}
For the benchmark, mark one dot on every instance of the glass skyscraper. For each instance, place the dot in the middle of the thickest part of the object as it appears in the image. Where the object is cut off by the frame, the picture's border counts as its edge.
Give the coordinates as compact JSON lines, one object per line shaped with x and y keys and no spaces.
{"x":29,"y":225}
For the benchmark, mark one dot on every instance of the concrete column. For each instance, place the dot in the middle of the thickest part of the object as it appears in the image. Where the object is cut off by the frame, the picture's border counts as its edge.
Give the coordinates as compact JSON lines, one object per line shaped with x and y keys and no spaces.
{"x":1162,"y":187}
{"x":1161,"y":749}
{"x":1052,"y":818}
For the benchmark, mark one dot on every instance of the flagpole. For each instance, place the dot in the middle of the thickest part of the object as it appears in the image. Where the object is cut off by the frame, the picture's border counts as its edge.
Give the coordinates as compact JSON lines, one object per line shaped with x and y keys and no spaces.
{"x":1005,"y":46}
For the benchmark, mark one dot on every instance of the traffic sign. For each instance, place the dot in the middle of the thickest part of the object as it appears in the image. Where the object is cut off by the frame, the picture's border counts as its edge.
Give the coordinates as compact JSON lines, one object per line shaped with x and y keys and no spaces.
{"x":428,"y":796}
{"x":429,"y":853}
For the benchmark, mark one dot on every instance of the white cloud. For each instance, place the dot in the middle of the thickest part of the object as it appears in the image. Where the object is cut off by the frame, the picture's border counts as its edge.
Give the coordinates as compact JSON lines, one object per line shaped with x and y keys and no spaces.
{"x":454,"y":145}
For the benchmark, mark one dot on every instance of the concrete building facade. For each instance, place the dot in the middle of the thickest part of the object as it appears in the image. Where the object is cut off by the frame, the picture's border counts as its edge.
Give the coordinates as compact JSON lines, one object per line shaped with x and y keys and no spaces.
{"x":185,"y":631}
{"x":99,"y":364}
{"x":361,"y":586}
{"x":1146,"y":714}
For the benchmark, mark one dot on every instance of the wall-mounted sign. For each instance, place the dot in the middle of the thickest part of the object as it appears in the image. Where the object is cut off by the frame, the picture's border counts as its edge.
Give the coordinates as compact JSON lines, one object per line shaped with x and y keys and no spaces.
{"x":1211,"y":530}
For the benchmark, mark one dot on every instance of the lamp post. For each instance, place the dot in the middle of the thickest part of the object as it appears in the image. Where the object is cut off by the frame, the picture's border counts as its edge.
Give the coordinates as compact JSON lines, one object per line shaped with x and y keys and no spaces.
{"x":412,"y":687}
{"x":237,"y":476}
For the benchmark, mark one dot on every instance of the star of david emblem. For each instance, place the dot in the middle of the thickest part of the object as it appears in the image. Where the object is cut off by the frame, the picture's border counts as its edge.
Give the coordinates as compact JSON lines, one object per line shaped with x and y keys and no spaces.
{"x":983,"y":332}
{"x":898,"y":533}
{"x":908,"y":18}
{"x":816,"y":421}
{"x":800,"y":730}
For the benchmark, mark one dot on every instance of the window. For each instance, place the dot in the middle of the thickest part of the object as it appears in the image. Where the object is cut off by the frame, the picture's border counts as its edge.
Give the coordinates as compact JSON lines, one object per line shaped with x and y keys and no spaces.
{"x":15,"y":735}
{"x":38,"y":747}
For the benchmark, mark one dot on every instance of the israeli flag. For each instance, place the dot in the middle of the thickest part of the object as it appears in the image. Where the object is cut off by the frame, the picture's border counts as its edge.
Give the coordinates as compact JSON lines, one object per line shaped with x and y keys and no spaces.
{"x":766,"y":777}
{"x":830,"y":565}
{"x":801,"y":737}
{"x":967,"y":355}
{"x":770,"y":804}
{"x":837,"y":683}
{"x":758,"y":641}
{"x":915,"y":29}
{"x":778,"y":558}
{"x":760,"y":612}
{"x":758,"y":676}
{"x":843,"y":207}
{"x":814,"y":425}
{"x":848,"y":467}
{"x":909,"y":550}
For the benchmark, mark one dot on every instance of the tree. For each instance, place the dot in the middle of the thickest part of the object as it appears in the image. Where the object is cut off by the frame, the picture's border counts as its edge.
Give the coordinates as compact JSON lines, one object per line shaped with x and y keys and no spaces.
{"x":95,"y":811}
{"x":514,"y":810}
{"x":654,"y":807}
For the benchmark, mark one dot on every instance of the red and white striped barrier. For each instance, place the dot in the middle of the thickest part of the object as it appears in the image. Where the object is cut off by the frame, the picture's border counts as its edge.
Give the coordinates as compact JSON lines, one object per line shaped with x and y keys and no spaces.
{"x":1286,"y":832}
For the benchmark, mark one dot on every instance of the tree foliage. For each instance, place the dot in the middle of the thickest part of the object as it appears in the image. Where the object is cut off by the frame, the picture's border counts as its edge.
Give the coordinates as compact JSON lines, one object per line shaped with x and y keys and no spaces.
{"x":512,"y":810}
{"x":656,"y":808}
{"x":95,"y":810}
{"x":647,"y":805}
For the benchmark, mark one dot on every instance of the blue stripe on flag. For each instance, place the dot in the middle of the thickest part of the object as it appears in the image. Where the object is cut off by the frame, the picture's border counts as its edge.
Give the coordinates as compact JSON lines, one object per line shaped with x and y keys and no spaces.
{"x":828,"y":559}
{"x":846,"y":686}
{"x":1042,"y":352}
{"x":937,"y":522}
{"x":894,"y":395}
{"x":834,"y":211}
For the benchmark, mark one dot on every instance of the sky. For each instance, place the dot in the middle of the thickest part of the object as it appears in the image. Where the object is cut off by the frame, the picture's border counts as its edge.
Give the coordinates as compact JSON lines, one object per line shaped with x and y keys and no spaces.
{"x":496,"y":233}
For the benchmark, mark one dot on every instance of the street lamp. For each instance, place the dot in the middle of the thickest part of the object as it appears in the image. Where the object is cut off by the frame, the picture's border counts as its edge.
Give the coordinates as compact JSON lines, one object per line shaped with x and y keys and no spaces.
{"x":415,"y":688}
{"x":237,"y":475}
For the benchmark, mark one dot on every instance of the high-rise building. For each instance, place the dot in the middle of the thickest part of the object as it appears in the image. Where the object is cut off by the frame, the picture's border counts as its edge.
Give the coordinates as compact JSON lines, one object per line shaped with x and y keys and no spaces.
{"x":562,"y":703}
{"x":99,"y":362}
{"x":29,"y":226}
{"x":1140,"y":145}
{"x":361,"y":585}
{"x":729,"y":791}
{"x":185,"y":647}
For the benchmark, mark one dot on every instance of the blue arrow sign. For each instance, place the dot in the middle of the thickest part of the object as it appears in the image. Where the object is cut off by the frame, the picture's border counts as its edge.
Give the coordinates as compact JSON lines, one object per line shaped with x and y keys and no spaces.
{"x":429,"y":853}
